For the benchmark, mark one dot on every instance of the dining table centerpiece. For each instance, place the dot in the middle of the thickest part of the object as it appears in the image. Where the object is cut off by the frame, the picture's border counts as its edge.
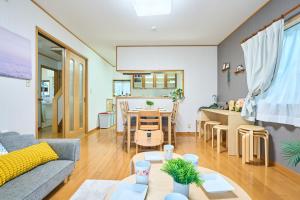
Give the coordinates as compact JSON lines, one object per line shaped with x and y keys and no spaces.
{"x":149,"y":104}
{"x":183,"y":173}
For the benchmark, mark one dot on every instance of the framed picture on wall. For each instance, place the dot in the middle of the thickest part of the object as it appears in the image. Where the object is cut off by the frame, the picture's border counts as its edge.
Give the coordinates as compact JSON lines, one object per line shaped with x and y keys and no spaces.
{"x":15,"y":55}
{"x":45,"y":88}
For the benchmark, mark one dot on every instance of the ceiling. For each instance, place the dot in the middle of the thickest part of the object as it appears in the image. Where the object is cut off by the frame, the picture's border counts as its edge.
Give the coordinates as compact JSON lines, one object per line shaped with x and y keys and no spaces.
{"x":49,"y":49}
{"x":105,"y":24}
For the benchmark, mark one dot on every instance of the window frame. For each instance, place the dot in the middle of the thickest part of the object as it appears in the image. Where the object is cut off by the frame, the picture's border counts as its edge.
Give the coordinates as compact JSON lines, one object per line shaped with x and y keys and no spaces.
{"x":122,"y":80}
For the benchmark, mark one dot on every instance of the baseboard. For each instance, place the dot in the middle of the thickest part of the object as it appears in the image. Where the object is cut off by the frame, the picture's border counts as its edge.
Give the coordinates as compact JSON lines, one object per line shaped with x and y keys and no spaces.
{"x":185,"y":134}
{"x":285,"y":170}
{"x":94,"y":129}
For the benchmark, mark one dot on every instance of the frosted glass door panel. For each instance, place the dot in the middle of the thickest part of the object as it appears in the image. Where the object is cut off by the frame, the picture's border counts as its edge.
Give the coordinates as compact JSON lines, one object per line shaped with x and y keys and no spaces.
{"x":71,"y":94}
{"x":75,"y":98}
{"x":160,"y":80}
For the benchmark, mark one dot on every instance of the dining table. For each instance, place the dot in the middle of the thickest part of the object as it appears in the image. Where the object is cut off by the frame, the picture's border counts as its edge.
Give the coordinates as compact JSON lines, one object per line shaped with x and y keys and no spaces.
{"x":135,"y":112}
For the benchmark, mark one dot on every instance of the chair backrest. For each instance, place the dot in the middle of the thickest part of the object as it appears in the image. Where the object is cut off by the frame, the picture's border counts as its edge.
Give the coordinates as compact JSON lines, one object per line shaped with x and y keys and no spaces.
{"x":124,"y":110}
{"x":126,"y":106}
{"x":149,"y":120}
{"x":174,"y":112}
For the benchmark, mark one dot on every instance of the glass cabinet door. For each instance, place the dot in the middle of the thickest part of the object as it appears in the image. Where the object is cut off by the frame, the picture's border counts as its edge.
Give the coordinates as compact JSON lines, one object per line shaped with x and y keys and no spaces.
{"x":159,"y":80}
{"x":171,"y":80}
{"x":137,"y":81}
{"x":149,"y":80}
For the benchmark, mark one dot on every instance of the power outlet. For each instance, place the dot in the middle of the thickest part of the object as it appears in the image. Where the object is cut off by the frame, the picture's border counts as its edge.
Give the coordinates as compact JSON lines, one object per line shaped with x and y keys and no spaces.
{"x":28,"y":83}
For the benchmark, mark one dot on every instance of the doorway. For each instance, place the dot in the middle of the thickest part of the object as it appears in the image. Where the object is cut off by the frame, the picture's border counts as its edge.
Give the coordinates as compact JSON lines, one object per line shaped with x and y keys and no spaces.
{"x":50,"y":105}
{"x":61,"y":90}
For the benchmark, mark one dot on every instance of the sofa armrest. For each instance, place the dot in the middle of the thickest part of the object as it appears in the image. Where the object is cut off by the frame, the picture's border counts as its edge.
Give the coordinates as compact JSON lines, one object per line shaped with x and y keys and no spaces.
{"x":66,"y":149}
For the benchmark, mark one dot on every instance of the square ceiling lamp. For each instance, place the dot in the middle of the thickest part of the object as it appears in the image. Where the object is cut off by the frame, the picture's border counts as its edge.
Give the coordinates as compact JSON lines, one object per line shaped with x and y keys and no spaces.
{"x":152,"y":7}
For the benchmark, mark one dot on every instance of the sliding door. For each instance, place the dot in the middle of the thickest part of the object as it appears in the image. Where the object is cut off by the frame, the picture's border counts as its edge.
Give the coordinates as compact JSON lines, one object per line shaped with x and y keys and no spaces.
{"x":74,"y":89}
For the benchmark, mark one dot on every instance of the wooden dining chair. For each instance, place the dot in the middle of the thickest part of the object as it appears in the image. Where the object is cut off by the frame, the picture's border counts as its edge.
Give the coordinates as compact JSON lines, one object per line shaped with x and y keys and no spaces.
{"x":149,"y":131}
{"x":124,"y":109}
{"x":173,"y":124}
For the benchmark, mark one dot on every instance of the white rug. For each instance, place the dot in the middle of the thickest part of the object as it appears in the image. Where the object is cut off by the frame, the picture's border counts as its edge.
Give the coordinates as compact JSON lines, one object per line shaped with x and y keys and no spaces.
{"x":93,"y":189}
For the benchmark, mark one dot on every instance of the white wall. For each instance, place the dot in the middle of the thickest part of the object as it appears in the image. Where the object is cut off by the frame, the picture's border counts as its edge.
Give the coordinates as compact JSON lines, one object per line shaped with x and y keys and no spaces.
{"x":17,"y":102}
{"x":200,"y":73}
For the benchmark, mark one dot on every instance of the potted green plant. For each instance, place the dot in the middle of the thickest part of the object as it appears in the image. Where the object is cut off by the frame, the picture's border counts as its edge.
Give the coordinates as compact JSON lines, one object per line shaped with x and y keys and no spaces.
{"x":177,"y":95}
{"x":291,"y":151}
{"x":149,"y":104}
{"x":183,"y":173}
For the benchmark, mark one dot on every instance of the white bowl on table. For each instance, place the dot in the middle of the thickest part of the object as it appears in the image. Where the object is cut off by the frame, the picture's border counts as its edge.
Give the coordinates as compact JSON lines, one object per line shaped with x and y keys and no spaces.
{"x":175,"y":196}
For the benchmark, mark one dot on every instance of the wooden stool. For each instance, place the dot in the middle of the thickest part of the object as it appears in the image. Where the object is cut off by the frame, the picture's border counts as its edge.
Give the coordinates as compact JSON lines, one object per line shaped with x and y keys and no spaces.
{"x":245,"y":129}
{"x":219,"y":129}
{"x":209,"y":123}
{"x":199,"y":124}
{"x":251,"y":136}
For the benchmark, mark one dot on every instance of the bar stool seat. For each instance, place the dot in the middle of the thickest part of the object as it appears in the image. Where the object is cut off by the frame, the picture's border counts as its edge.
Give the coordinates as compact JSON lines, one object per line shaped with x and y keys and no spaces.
{"x":251,"y":136}
{"x":209,"y":123}
{"x":219,"y":129}
{"x":253,"y":128}
{"x":246,"y":129}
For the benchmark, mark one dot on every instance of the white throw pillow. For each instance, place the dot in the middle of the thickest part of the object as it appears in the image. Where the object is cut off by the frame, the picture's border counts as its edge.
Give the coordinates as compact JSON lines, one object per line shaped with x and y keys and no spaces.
{"x":2,"y":150}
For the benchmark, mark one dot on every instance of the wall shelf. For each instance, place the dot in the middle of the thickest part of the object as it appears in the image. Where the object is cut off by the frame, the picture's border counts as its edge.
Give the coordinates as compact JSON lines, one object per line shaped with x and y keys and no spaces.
{"x":239,"y":71}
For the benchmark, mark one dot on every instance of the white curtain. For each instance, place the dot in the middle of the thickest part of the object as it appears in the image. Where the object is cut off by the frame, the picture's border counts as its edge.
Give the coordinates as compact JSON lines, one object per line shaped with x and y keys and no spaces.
{"x":261,"y":54}
{"x":281,"y":102}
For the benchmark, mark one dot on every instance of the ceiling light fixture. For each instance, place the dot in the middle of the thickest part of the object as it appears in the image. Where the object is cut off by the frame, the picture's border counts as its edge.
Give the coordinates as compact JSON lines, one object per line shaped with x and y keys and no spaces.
{"x":152,"y":7}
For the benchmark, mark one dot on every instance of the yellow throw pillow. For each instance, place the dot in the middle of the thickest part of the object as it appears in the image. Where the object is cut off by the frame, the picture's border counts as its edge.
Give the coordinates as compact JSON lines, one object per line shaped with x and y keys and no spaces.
{"x":18,"y":162}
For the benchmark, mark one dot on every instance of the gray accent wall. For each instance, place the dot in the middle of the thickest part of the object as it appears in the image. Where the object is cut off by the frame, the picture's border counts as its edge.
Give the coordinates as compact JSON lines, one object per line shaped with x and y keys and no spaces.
{"x":230,"y":51}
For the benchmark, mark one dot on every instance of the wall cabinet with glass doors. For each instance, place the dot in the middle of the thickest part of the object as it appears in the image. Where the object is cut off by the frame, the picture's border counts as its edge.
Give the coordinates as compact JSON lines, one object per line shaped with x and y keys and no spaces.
{"x":157,"y":80}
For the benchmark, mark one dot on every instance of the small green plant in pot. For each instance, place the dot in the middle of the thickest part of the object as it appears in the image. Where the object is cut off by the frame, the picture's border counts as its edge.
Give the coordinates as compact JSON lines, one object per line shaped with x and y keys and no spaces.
{"x":149,"y":104}
{"x":183,"y":173}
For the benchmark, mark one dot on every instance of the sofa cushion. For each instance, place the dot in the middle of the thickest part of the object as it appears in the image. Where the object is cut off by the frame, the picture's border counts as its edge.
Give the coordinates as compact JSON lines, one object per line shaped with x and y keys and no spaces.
{"x":20,"y":161}
{"x":13,"y":142}
{"x":37,"y":183}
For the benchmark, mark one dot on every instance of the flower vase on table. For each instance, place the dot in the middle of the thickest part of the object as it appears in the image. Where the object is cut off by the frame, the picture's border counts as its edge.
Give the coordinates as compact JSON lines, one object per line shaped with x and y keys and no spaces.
{"x":149,"y":105}
{"x":181,"y":188}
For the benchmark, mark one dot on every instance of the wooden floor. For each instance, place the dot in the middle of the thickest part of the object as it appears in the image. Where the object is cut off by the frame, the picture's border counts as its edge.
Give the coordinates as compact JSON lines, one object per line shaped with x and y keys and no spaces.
{"x":44,"y":133}
{"x":102,"y":157}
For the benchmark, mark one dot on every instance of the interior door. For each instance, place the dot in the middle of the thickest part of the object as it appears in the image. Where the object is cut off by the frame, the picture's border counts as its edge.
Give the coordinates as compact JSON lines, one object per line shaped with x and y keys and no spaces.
{"x":74,"y":94}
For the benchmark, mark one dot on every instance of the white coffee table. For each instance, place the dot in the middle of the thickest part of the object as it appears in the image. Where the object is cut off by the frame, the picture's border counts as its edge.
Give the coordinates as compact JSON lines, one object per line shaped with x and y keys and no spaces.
{"x":161,"y":184}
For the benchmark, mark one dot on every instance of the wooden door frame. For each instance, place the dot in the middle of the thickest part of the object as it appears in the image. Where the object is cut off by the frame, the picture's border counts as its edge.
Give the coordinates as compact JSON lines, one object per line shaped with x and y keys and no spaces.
{"x":40,"y":31}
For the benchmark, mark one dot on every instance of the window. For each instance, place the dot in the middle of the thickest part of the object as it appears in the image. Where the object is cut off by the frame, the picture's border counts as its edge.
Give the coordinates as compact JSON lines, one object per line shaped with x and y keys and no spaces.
{"x":122,"y":87}
{"x":281,"y":102}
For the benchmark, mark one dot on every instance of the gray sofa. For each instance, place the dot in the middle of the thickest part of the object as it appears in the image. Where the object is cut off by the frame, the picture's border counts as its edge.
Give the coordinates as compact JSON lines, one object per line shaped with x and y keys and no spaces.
{"x":40,"y":181}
